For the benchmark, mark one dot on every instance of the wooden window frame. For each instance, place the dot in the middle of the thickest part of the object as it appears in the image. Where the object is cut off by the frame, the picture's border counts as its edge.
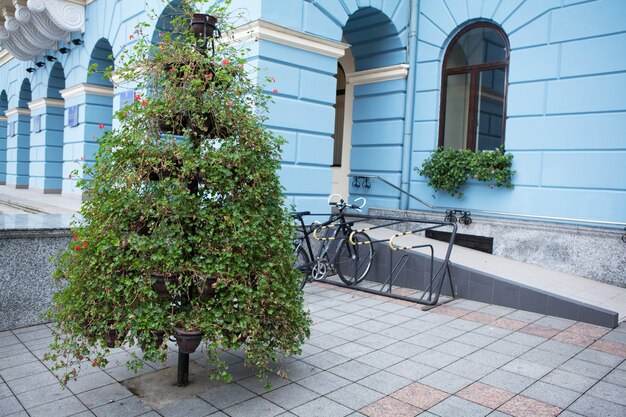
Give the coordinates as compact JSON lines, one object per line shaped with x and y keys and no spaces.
{"x":474,"y":71}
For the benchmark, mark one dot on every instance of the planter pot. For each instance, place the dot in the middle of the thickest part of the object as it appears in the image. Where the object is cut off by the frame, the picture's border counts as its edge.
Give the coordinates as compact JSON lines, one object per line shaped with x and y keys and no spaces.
{"x":159,"y":284}
{"x":208,"y":291}
{"x":158,"y":335}
{"x":187,"y":340}
{"x":112,"y":338}
{"x":203,"y":25}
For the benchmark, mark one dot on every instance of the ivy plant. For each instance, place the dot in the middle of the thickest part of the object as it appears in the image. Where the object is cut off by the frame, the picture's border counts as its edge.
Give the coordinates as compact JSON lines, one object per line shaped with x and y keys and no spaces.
{"x":183,"y":224}
{"x":448,"y":169}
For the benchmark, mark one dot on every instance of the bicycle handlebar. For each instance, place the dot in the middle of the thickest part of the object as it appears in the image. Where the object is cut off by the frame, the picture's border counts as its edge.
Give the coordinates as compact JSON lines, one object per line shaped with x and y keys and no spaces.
{"x":343,"y":205}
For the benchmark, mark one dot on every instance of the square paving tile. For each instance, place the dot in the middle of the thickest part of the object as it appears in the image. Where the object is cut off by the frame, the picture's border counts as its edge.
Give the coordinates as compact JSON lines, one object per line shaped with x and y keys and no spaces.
{"x":354,"y":396}
{"x":411,"y":370}
{"x":128,"y":407}
{"x":353,"y":370}
{"x":42,"y":395}
{"x":189,"y":407}
{"x":435,"y":359}
{"x":617,"y":376}
{"x":326,"y":360}
{"x":324,"y":382}
{"x":258,"y":407}
{"x":589,"y":329}
{"x":508,"y":381}
{"x":291,"y":396}
{"x":590,"y":406}
{"x":469,"y":369}
{"x":527,"y":407}
{"x":384,"y":382}
{"x":321,"y":407}
{"x":454,"y":407}
{"x":445,"y":381}
{"x":60,"y":408}
{"x":580,"y":367}
{"x":610,"y":392}
{"x":574,"y":382}
{"x":351,"y":350}
{"x":610,"y":347}
{"x":539,"y":330}
{"x":390,"y":407}
{"x":420,"y":395}
{"x":227,"y":395}
{"x":298,"y":370}
{"x":544,"y":357}
{"x":104,"y":395}
{"x":526,"y":368}
{"x":326,"y":341}
{"x":380,"y":360}
{"x":575,"y":338}
{"x":403,"y":349}
{"x":10,"y":405}
{"x":555,"y":322}
{"x":31,"y":382}
{"x":601,"y":358}
{"x":525,"y":339}
{"x":551,"y":394}
{"x":485,"y":395}
{"x":475,"y":339}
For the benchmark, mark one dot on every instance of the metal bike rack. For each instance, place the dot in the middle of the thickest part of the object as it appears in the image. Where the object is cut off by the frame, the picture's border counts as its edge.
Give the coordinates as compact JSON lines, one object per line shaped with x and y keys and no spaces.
{"x":432,"y":290}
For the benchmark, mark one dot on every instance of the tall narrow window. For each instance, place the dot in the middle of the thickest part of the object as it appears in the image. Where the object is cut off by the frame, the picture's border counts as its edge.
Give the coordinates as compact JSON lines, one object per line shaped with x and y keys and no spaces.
{"x":473,"y":93}
{"x":339,"y":116}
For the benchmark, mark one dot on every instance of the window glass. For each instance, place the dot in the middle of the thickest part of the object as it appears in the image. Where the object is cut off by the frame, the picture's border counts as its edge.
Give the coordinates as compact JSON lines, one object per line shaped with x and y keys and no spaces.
{"x":477,"y":46}
{"x":473,"y":95}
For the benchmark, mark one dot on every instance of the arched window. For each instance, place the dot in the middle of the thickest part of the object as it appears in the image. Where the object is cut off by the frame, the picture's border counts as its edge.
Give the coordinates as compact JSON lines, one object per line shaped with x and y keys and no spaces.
{"x":473,"y":92}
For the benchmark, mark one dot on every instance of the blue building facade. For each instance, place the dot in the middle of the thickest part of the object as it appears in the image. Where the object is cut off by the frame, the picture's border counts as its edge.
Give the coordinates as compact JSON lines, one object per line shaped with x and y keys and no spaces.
{"x":359,"y":92}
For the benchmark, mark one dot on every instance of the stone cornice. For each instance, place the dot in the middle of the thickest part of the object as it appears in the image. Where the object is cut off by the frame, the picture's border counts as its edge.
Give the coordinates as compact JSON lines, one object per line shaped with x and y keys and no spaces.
{"x":17,"y":111}
{"x":82,"y":89}
{"x":285,"y":36}
{"x":376,"y":75}
{"x":5,"y":57}
{"x":46,"y":102}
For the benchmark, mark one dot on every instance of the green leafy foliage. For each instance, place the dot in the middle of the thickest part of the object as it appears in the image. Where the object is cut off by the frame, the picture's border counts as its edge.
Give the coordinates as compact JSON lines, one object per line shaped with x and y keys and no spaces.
{"x":448,"y":169}
{"x":184,"y":194}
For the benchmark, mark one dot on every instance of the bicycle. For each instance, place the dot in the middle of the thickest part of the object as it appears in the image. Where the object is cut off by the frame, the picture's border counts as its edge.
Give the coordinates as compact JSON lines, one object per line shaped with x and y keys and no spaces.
{"x":352,"y":251}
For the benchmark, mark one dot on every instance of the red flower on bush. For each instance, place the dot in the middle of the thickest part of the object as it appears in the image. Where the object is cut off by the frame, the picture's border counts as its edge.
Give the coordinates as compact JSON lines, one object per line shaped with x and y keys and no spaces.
{"x":85,"y":244}
{"x":69,"y":176}
{"x":144,"y":101}
{"x":77,"y":248}
{"x":225,"y":61}
{"x":101,"y":125}
{"x":75,"y":237}
{"x":131,"y":37}
{"x":275,"y":91}
{"x":137,"y":97}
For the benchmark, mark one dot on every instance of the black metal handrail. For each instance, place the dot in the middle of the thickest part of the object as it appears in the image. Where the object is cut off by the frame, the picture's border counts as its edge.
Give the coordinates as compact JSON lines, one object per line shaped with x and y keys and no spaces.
{"x":466,"y":213}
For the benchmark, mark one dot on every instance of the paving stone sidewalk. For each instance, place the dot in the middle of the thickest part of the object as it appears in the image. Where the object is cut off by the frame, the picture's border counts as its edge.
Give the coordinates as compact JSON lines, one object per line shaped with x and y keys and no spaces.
{"x":367,"y":356}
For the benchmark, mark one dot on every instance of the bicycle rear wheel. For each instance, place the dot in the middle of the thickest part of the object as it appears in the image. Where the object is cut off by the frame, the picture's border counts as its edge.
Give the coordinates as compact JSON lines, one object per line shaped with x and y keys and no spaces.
{"x":353,"y":262}
{"x":303,"y":265}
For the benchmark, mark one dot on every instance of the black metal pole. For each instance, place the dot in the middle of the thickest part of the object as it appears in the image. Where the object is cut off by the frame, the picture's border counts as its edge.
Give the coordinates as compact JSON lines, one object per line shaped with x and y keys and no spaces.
{"x":183,"y":369}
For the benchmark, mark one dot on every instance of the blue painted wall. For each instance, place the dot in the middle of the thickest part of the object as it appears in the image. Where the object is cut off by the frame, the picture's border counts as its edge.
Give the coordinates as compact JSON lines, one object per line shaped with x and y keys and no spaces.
{"x":566,"y":104}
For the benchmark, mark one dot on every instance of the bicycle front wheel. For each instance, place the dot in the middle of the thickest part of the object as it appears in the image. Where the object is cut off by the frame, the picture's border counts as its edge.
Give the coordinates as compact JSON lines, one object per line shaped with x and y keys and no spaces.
{"x":302,"y":264}
{"x":353,"y":262}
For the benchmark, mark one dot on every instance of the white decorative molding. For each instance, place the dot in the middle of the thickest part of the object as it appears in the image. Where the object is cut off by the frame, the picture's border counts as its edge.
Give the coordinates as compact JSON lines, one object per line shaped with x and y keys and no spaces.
{"x":17,"y":111}
{"x":46,"y":102}
{"x":82,"y":89}
{"x":377,"y":75}
{"x":3,"y":118}
{"x":262,"y":30}
{"x":28,"y":28}
{"x":5,"y":56}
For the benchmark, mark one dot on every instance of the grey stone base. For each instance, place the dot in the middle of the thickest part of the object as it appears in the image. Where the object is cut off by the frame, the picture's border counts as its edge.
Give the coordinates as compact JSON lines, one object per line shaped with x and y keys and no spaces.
{"x":591,"y":252}
{"x":474,"y":285}
{"x":25,"y":274}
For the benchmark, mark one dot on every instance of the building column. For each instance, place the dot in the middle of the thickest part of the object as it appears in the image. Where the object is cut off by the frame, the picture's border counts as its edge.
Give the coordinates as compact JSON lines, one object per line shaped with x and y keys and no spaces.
{"x":18,"y":147}
{"x":3,"y":150}
{"x":86,"y":107}
{"x":46,"y":145}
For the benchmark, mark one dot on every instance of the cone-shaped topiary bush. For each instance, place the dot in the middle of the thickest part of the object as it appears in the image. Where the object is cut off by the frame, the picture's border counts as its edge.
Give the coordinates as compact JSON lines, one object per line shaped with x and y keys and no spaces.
{"x":184,"y":225}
